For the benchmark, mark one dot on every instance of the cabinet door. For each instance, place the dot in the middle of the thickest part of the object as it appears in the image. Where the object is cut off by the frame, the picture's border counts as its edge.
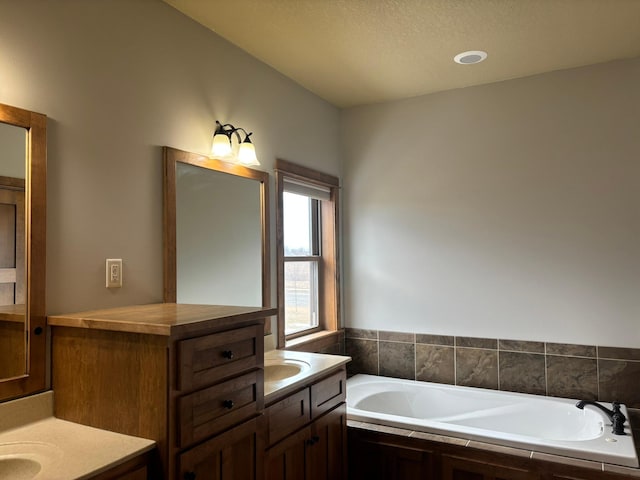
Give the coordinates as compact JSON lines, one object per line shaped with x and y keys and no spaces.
{"x":130,"y":470}
{"x":233,"y":455}
{"x":456,"y":468}
{"x":326,"y":449}
{"x":286,"y":459}
{"x":381,"y":459}
{"x":390,"y":462}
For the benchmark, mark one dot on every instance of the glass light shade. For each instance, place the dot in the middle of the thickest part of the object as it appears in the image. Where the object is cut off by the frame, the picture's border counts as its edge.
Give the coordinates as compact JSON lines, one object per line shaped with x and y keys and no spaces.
{"x":221,"y":146}
{"x":247,"y":154}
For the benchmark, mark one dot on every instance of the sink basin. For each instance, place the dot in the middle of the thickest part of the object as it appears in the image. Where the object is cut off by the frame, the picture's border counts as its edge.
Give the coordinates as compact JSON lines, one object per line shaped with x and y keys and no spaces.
{"x":25,"y":460}
{"x":284,"y":370}
{"x":18,"y":468}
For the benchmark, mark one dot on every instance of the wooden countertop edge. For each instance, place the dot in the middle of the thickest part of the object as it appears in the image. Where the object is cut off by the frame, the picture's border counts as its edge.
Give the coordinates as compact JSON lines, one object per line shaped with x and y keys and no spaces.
{"x":99,"y":320}
{"x":111,"y":325}
{"x":12,"y":313}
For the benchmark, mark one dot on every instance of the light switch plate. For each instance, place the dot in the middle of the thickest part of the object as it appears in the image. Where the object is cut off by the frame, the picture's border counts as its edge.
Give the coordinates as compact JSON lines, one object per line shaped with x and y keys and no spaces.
{"x":114,"y":272}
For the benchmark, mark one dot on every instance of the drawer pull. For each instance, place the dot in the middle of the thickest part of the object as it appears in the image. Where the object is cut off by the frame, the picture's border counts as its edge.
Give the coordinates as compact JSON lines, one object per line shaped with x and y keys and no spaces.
{"x":313,"y":440}
{"x":228,"y":354}
{"x":228,"y":404}
{"x":189,"y":476}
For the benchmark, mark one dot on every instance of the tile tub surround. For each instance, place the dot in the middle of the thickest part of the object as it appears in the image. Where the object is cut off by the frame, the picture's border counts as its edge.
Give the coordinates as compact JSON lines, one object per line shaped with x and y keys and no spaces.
{"x":587,"y":372}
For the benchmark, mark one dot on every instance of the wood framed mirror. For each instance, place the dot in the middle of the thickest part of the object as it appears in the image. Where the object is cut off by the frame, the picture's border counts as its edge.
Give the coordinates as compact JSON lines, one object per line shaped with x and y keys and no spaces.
{"x":22,"y":252}
{"x":216,"y":232}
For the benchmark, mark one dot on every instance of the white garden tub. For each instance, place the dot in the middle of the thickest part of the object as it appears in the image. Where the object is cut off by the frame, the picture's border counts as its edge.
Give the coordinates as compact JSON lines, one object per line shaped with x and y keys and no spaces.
{"x":543,"y":424}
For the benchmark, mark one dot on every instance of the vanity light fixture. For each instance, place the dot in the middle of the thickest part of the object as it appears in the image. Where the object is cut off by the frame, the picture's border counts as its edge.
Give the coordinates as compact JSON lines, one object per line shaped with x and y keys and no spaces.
{"x":222,"y":147}
{"x":470,"y":57}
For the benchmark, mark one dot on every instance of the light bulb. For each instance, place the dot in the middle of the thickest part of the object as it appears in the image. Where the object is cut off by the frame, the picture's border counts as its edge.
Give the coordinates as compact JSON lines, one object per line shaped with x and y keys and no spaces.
{"x":221,"y":146}
{"x":247,"y":154}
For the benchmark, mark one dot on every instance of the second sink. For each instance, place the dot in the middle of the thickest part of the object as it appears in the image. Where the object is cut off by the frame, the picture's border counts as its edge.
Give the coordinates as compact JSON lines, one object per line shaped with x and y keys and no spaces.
{"x":18,"y":468}
{"x":26,"y":460}
{"x":283,"y":369}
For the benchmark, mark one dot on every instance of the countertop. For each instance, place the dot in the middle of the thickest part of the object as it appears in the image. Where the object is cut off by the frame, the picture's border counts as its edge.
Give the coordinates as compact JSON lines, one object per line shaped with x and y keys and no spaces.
{"x":12,"y":313}
{"x":161,"y":318}
{"x":318,"y":366}
{"x":65,"y":450}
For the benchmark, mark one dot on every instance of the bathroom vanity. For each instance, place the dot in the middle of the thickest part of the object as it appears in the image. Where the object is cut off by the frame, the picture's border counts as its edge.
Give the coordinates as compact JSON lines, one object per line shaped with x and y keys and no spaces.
{"x":36,"y":445}
{"x":192,"y":378}
{"x":182,"y":375}
{"x":306,"y":419}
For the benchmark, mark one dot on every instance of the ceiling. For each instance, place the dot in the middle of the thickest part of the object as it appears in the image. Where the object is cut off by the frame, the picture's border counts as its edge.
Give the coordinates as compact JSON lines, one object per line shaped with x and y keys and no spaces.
{"x":354,"y":52}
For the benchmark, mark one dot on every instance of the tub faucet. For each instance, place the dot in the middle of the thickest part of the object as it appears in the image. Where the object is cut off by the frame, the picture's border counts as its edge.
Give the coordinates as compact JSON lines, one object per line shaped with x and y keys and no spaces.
{"x":615,"y":415}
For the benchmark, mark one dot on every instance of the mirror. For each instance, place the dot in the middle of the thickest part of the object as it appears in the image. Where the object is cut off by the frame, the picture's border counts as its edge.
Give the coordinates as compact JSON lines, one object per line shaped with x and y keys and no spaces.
{"x":13,"y":347}
{"x":22,"y":251}
{"x":216,"y":240}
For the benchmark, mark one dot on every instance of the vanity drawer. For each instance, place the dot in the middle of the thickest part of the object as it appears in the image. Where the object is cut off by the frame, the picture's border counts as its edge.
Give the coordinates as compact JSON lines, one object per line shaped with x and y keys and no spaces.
{"x":328,"y":393}
{"x":206,"y":360}
{"x":215,"y":409}
{"x":287,"y":415}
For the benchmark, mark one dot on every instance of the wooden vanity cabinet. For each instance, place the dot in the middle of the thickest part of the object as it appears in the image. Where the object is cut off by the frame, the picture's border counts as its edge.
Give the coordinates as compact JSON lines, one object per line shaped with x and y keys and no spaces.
{"x":233,"y":455}
{"x":189,"y":377}
{"x":133,"y":469}
{"x":307,"y":433}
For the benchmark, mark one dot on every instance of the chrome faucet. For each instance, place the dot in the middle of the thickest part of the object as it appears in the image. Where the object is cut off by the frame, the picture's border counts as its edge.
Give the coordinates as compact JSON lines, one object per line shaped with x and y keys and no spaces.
{"x":615,"y":415}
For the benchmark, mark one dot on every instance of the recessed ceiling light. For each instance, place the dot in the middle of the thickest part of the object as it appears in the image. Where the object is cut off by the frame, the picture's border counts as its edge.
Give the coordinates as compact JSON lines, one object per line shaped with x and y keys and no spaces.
{"x":470,"y":57}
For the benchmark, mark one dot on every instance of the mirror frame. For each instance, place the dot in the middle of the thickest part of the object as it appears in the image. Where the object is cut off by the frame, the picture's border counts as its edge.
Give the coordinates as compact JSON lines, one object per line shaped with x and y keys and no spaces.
{"x":34,"y":379}
{"x":171,"y":157}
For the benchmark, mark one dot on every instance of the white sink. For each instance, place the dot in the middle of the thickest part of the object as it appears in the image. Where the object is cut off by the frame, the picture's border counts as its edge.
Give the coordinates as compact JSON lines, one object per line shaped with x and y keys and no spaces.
{"x":18,"y":468}
{"x":25,"y":460}
{"x":280,"y":370}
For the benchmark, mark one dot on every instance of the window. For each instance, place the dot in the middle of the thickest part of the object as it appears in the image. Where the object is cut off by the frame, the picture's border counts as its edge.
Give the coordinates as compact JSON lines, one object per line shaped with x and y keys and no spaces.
{"x":301,"y":261}
{"x":306,"y":222}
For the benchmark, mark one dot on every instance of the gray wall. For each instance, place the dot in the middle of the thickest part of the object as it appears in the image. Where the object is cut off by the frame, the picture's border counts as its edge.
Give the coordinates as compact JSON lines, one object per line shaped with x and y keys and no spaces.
{"x":509,"y":210}
{"x":118,"y":79}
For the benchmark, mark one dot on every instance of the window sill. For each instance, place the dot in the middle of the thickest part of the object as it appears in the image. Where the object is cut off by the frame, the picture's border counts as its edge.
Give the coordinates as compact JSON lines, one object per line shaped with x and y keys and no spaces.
{"x":315,"y":341}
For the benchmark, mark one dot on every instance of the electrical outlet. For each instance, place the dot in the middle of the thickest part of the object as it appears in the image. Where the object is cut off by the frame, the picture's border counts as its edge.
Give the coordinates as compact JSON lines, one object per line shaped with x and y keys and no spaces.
{"x":114,"y":272}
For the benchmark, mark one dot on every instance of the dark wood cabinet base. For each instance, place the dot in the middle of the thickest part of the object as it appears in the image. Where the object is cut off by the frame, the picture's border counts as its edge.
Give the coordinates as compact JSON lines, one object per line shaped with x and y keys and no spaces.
{"x":376,"y":455}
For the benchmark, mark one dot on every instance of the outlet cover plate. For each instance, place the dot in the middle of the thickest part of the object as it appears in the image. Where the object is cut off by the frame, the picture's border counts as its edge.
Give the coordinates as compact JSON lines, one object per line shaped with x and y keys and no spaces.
{"x":114,"y":273}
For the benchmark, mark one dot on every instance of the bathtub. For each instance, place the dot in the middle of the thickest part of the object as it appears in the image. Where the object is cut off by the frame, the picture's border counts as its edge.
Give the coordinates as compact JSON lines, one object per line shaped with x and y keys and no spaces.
{"x":532,"y":422}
